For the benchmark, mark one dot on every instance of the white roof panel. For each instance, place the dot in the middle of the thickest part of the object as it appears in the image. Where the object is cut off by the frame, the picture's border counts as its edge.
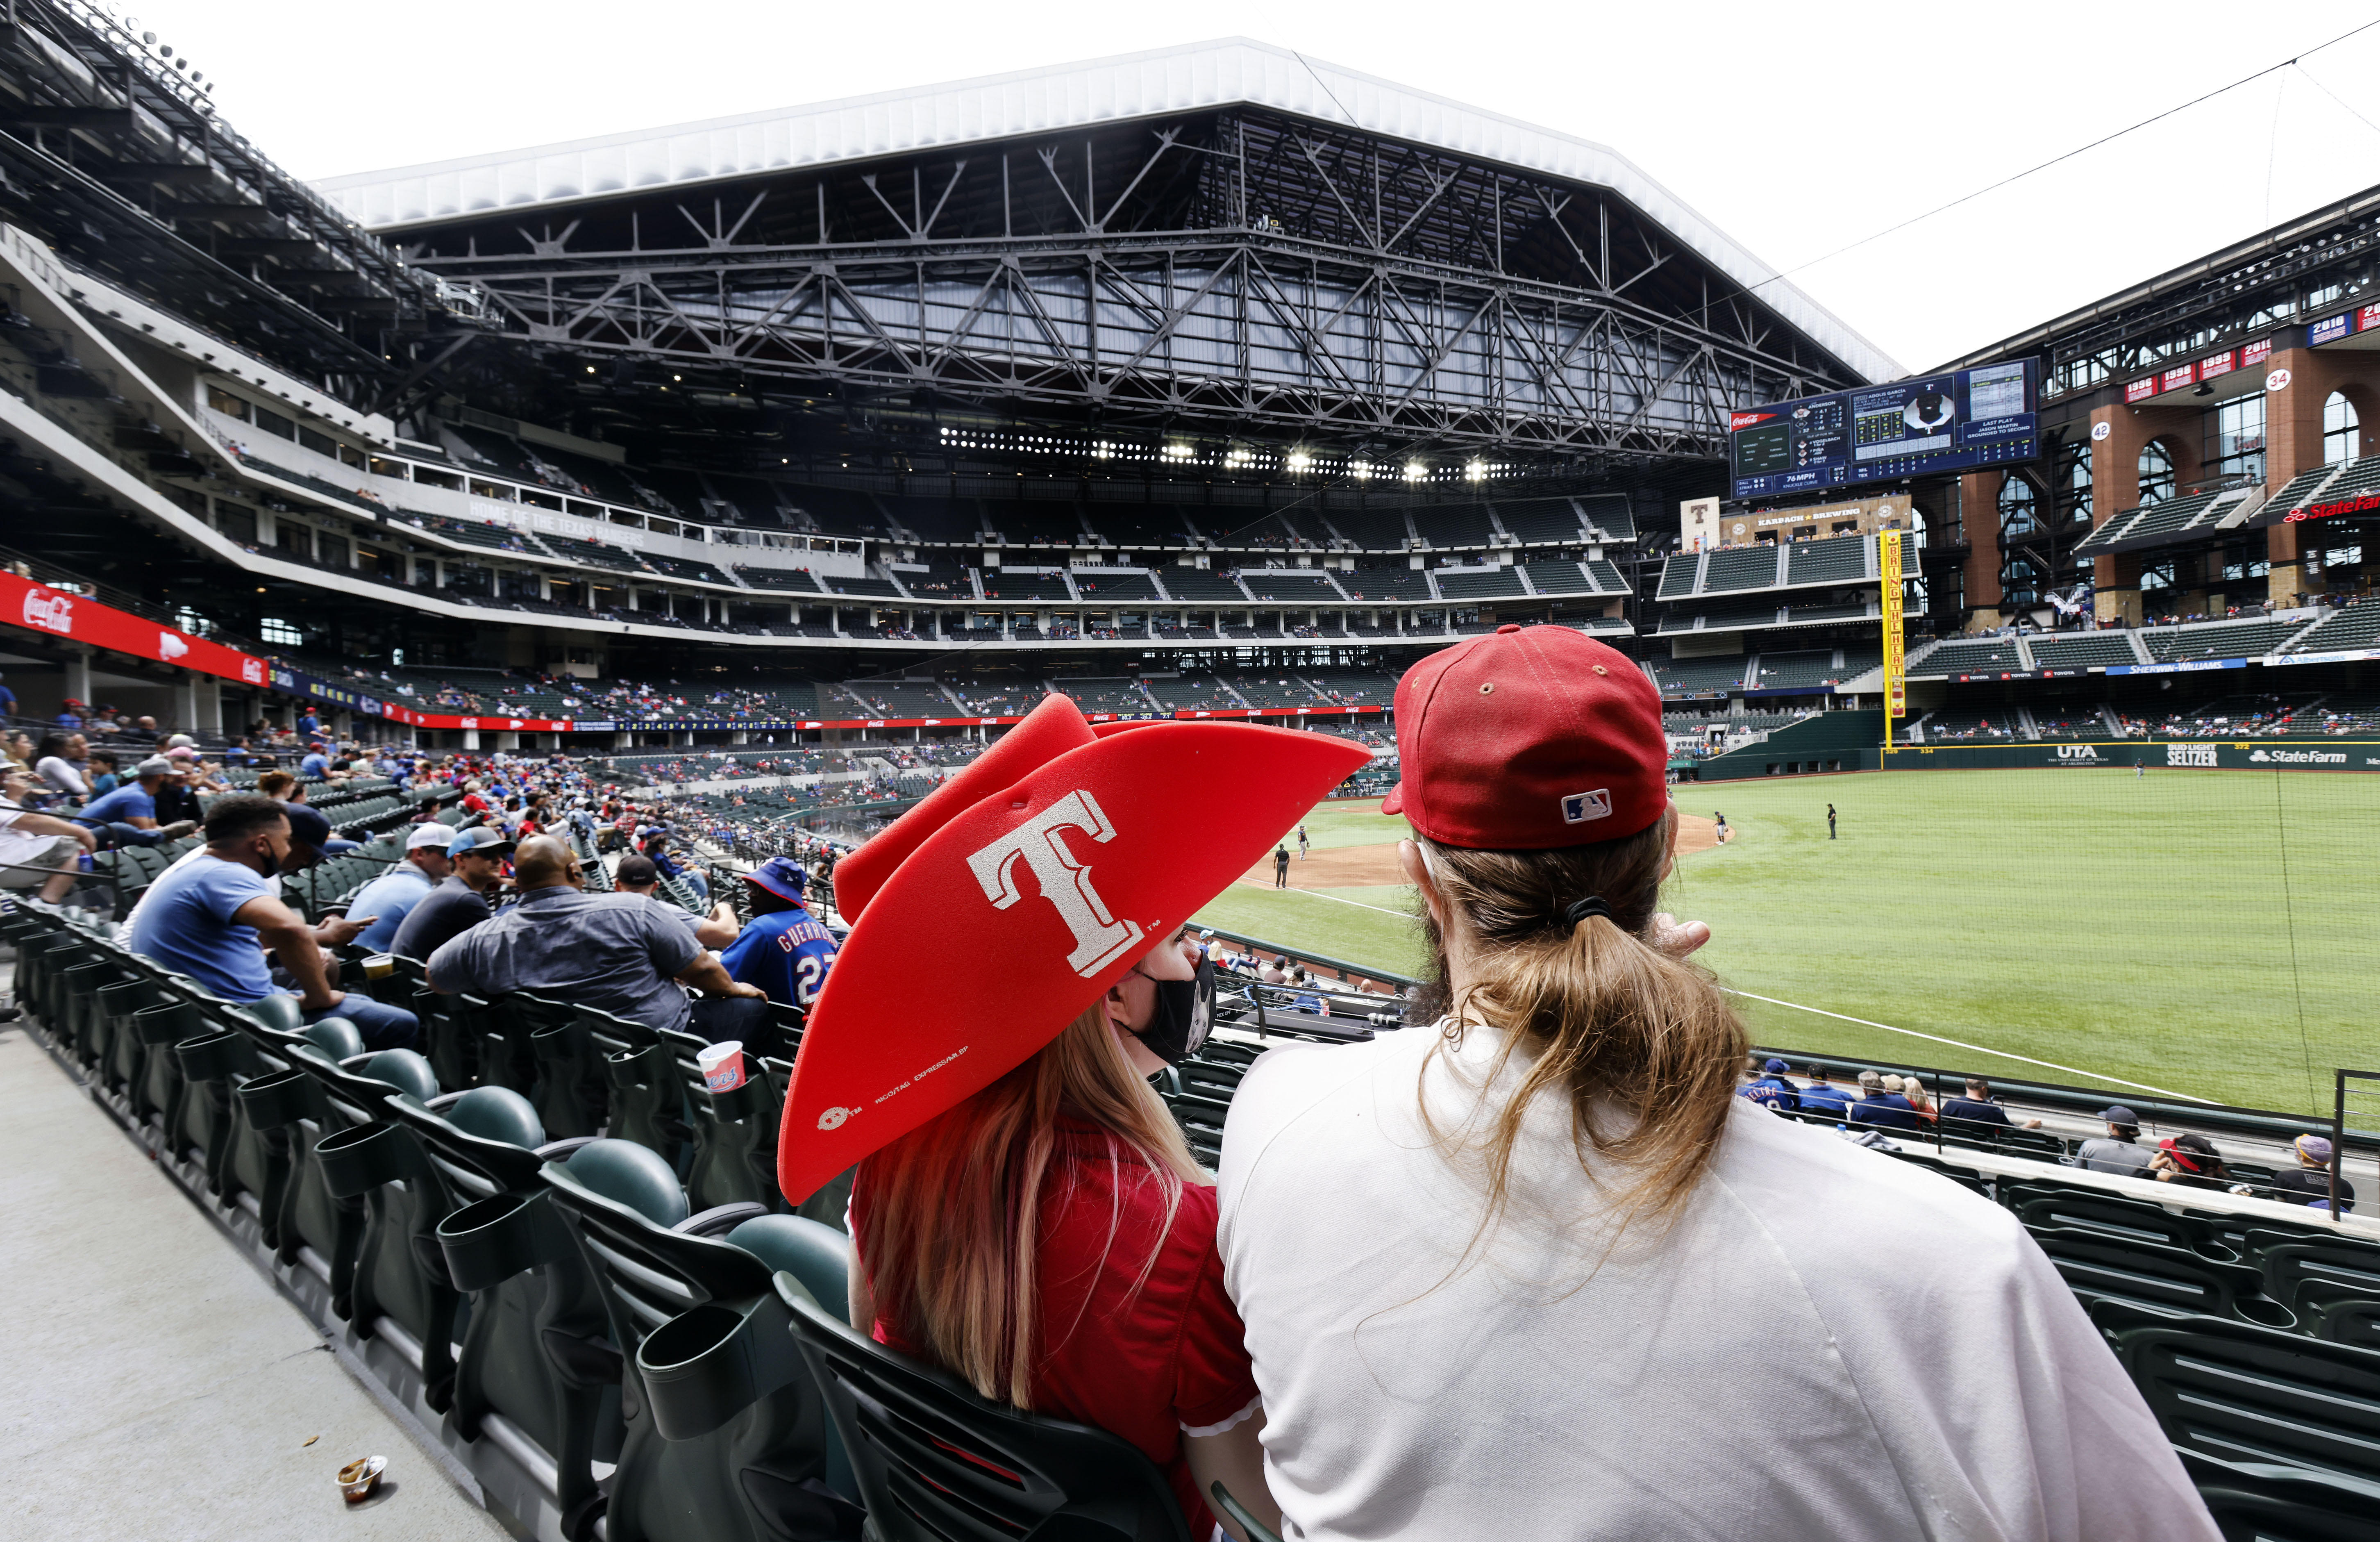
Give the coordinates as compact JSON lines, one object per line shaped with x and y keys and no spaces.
{"x":1190,"y":78}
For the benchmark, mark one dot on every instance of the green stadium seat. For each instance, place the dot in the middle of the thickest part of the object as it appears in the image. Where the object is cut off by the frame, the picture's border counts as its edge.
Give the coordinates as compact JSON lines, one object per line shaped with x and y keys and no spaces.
{"x":2097,"y":1265}
{"x":725,"y":1435}
{"x":2243,"y":1393}
{"x":2045,"y":1205}
{"x":934,"y":1462}
{"x":2270,"y":1501}
{"x":2296,"y":1257}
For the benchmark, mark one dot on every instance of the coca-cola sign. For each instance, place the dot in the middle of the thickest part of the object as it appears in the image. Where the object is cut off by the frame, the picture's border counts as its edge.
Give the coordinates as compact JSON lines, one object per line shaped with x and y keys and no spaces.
{"x":50,"y":610}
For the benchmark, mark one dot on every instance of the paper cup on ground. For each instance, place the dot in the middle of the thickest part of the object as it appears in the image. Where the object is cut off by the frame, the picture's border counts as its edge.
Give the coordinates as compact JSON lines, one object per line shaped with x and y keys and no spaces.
{"x":359,"y":1479}
{"x":722,"y":1065}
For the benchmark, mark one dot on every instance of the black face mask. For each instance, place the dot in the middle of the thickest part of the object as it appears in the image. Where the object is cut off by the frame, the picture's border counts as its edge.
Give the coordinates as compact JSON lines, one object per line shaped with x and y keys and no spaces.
{"x":1184,"y":1010}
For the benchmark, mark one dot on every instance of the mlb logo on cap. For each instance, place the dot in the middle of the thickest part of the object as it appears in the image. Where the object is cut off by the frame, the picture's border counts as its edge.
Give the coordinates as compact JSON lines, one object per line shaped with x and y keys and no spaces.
{"x":1579,"y":807}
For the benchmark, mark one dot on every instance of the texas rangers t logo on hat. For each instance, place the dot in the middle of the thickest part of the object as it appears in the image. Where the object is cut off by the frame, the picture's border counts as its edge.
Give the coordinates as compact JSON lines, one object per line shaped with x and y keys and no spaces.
{"x":1579,"y":807}
{"x":1066,"y":883}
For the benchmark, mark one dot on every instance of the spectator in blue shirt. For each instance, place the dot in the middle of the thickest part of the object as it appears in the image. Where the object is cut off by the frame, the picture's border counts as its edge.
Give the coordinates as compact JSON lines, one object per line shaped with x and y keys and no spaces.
{"x":213,"y":918}
{"x":1876,"y":1106}
{"x":785,"y":950}
{"x":309,"y":725}
{"x":129,"y":813}
{"x":1822,"y":1096}
{"x":100,"y":772}
{"x":1770,"y":1089}
{"x":636,"y":875}
{"x":316,"y":766}
{"x":388,"y":899}
{"x":1977,"y":1114}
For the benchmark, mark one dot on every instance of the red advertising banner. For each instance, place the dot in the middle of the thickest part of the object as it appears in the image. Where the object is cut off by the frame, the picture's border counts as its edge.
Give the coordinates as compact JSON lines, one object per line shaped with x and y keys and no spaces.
{"x":79,"y":618}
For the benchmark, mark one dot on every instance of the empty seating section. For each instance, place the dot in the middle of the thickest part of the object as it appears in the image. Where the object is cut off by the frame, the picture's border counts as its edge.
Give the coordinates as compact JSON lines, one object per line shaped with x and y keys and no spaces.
{"x":1099,"y":586}
{"x":1722,"y":618}
{"x":938,"y":581}
{"x":1679,"y":574}
{"x":1607,"y":576}
{"x":1105,"y":695}
{"x":1386,"y":583}
{"x":1541,"y":521}
{"x":753,"y":501}
{"x":1382,"y":529}
{"x":1354,"y":687}
{"x":2173,"y":515}
{"x":1275,"y":690}
{"x":679,"y":567}
{"x":2083,"y":650}
{"x":1816,"y":667}
{"x":1740,"y":567}
{"x":1830,"y":613}
{"x":2358,"y":626}
{"x":1835,"y":560}
{"x":1132,"y":527}
{"x":471,"y":532}
{"x":1034,"y":523}
{"x":1010,"y":585}
{"x":592,"y":553}
{"x":667,"y":489}
{"x":1288,"y":587}
{"x":1986,"y":656}
{"x":2229,"y":640}
{"x":1610,"y":518}
{"x":2298,"y":490}
{"x":1455,"y":525}
{"x":904,"y":699}
{"x":1558,"y":578}
{"x":858,"y":588}
{"x":1193,"y":693}
{"x":1200,"y":586}
{"x":834,"y":511}
{"x":782,"y":581}
{"x":1251,"y":527}
{"x":499,"y":452}
{"x":1690,"y":675}
{"x":1477,"y":583}
{"x":956,"y":521}
{"x":2357,"y":479}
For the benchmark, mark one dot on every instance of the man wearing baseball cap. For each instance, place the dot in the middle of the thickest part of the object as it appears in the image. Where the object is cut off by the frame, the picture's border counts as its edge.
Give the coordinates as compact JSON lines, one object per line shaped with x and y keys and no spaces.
{"x":392,"y":896}
{"x":1521,"y":1241}
{"x":2120,"y":1151}
{"x":785,"y":951}
{"x":637,"y":875}
{"x":476,"y":865}
{"x":1772,"y":1088}
{"x":129,"y":813}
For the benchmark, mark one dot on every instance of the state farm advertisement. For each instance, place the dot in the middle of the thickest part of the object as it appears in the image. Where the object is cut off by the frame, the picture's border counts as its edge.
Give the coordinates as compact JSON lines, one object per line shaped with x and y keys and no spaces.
{"x":63,"y":613}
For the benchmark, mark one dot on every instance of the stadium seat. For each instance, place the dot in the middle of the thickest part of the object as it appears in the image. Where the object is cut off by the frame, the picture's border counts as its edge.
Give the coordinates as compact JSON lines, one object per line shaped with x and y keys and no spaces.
{"x":2097,"y":1265}
{"x":2348,"y":1267}
{"x":935,"y":1462}
{"x":2048,"y":1205}
{"x":537,"y":1355}
{"x":724,"y":1434}
{"x":2269,"y":1502}
{"x":2239,"y":1392}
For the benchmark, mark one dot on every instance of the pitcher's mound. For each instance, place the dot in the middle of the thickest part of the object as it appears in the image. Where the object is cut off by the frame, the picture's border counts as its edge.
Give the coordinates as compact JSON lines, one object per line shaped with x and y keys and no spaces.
{"x":1697,"y":833}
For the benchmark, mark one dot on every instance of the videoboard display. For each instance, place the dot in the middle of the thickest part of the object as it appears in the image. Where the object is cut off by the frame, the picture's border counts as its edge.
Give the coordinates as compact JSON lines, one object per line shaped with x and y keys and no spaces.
{"x":1950,"y":423}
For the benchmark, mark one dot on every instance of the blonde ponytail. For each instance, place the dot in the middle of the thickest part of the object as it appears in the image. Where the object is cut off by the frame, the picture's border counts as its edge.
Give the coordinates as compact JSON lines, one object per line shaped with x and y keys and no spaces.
{"x":1644,"y":1045}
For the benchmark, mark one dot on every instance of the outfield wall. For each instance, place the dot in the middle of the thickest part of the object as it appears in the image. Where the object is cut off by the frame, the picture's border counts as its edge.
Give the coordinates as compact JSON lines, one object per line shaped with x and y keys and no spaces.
{"x":2329,"y":754}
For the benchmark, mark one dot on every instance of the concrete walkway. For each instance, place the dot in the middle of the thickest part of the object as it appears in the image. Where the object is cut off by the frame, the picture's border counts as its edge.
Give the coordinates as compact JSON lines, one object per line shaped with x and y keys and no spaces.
{"x":151,"y":1382}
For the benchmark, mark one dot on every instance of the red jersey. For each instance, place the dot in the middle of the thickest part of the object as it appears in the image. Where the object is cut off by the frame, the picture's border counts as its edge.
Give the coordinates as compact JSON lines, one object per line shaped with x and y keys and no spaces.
{"x":1144,"y":1365}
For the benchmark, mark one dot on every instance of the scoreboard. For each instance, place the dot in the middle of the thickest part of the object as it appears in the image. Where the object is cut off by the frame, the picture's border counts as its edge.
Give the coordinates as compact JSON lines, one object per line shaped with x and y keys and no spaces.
{"x":1948,"y":422}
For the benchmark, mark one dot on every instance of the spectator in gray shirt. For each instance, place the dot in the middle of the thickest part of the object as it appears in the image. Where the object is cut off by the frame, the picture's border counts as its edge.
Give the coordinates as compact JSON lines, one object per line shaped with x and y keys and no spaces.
{"x":619,"y":954}
{"x":2119,"y":1152}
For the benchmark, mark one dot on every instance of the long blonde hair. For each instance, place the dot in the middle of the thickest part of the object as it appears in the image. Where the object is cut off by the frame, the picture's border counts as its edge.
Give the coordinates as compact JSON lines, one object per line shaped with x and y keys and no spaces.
{"x":955,"y":1207}
{"x":1610,"y":1022}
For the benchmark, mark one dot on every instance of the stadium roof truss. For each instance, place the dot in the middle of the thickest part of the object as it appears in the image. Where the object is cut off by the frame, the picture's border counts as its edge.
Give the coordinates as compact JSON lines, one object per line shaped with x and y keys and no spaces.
{"x":1239,"y":268}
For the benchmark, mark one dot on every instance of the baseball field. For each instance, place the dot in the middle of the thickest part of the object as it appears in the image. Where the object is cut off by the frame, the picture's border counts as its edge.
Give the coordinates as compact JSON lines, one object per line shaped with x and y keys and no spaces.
{"x":2188,"y":934}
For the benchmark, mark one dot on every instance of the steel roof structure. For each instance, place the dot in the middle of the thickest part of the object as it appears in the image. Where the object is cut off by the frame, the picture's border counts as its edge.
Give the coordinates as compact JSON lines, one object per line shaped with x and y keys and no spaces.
{"x":1225,"y":236}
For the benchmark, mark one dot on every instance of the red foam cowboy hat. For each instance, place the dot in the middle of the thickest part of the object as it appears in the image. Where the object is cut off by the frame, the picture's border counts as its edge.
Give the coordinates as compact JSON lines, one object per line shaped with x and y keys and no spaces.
{"x":1017,"y":893}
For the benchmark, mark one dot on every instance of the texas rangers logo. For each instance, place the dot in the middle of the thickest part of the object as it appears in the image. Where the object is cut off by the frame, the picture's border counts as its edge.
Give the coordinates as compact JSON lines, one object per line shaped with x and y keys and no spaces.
{"x":1580,"y":807}
{"x":1099,"y":938}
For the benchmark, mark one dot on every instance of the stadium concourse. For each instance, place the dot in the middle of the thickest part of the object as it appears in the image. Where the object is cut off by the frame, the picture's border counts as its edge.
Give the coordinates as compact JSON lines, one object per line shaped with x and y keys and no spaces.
{"x":484,"y":652}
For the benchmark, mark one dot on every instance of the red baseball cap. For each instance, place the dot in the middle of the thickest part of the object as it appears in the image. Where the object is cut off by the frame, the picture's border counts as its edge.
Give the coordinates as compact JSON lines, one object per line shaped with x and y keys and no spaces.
{"x":1527,"y":739}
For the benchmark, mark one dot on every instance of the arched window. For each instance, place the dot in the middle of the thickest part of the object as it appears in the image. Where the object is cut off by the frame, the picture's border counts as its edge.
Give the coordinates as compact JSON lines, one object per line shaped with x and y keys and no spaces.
{"x":2341,"y":435}
{"x":2156,"y":474}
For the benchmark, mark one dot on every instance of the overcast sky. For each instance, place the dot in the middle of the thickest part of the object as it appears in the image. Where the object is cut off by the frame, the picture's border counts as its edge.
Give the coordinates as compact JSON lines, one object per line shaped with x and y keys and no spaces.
{"x":1796,"y":129}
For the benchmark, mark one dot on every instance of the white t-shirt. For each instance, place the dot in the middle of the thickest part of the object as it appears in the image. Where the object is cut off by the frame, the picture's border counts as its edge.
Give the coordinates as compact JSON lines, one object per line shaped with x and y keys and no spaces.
{"x":1828,"y":1344}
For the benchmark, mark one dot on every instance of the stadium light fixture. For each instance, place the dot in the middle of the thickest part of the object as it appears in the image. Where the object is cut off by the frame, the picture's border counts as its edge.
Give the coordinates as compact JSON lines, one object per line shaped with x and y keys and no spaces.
{"x":1416,"y":470}
{"x":1300,"y":461}
{"x":1475,"y":471}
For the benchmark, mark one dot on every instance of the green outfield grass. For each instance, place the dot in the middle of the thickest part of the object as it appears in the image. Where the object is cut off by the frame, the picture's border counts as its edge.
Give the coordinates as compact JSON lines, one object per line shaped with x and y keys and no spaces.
{"x":2211,"y":934}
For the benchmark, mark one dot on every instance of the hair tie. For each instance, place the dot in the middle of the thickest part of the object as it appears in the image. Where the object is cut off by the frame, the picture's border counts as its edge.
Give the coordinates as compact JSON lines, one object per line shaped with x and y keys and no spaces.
{"x":1591,"y":905}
